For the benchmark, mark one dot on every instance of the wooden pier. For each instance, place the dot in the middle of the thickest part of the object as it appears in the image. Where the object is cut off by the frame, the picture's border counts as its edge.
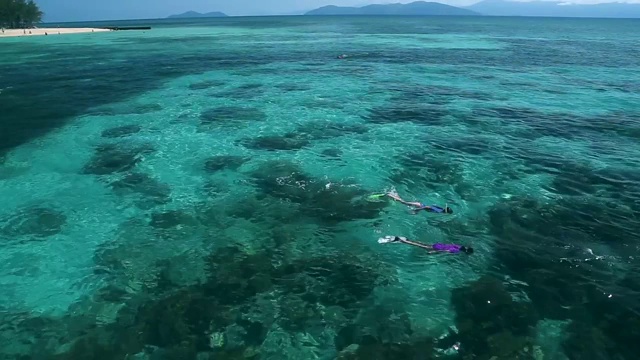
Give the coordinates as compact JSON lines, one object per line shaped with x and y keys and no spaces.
{"x":125,"y":28}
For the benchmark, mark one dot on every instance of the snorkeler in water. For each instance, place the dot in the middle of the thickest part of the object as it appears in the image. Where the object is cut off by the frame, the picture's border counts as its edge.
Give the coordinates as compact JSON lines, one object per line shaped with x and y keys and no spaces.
{"x":418,"y":206}
{"x":435,"y":248}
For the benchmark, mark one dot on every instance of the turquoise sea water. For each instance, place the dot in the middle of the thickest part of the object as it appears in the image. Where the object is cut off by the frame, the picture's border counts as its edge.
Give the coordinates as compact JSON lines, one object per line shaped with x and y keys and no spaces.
{"x":200,"y":190}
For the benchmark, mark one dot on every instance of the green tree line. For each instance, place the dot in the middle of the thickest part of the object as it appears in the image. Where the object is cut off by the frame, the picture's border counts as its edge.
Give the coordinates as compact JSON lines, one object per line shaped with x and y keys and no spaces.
{"x":18,"y":14}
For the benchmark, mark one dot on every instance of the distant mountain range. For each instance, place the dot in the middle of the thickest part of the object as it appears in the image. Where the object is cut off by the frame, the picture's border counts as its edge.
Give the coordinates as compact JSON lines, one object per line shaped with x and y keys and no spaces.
{"x":194,"y":14}
{"x":491,"y":8}
{"x":415,"y":8}
{"x":485,"y":7}
{"x":555,"y":9}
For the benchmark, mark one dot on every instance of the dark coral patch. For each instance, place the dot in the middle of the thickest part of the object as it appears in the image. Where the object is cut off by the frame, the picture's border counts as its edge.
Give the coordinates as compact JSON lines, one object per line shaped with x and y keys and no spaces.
{"x":331,"y":153}
{"x":151,"y":190}
{"x":247,"y":91}
{"x":170,"y":219}
{"x":335,"y":203}
{"x":491,"y":323}
{"x":114,"y":158}
{"x":37,"y":222}
{"x":128,"y":109}
{"x":222,"y":162}
{"x":230,"y":313}
{"x":121,"y":131}
{"x":609,"y":327}
{"x":533,"y":236}
{"x":202,"y":85}
{"x":433,"y":169}
{"x":323,"y":130}
{"x":414,"y":94}
{"x":371,"y":348}
{"x":275,"y":143}
{"x":572,"y":177}
{"x":561,"y":124}
{"x":272,"y":175}
{"x":470,"y":145}
{"x":146,"y":108}
{"x":424,"y":115}
{"x":289,"y":87}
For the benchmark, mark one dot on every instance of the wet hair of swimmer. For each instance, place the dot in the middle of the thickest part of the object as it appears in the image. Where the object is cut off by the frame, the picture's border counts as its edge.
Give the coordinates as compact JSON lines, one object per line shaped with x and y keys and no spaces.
{"x":466,"y":249}
{"x":448,"y":210}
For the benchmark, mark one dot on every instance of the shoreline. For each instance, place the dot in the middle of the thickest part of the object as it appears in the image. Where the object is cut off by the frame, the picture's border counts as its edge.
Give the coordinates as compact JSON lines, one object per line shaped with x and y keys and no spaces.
{"x":48,"y":31}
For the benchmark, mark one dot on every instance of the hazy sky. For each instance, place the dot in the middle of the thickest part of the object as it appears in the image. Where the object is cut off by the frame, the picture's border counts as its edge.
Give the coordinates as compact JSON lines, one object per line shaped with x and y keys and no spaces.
{"x":83,"y":10}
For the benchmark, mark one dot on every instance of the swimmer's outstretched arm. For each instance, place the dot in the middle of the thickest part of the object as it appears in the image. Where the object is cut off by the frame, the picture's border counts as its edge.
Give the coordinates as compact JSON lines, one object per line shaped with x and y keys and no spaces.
{"x":404,"y":240}
{"x":399,"y":199}
{"x":413,"y":243}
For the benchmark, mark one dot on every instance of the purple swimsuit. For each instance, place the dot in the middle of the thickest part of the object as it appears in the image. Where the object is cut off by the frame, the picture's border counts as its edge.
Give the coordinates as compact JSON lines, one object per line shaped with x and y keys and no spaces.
{"x":447,"y":247}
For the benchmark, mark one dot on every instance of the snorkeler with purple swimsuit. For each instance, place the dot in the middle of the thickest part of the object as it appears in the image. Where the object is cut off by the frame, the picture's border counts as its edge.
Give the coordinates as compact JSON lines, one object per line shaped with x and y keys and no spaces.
{"x":435,"y":248}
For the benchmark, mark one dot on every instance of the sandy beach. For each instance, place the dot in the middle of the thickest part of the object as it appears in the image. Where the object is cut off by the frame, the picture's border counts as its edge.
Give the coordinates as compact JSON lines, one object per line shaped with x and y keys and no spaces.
{"x":48,"y":31}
